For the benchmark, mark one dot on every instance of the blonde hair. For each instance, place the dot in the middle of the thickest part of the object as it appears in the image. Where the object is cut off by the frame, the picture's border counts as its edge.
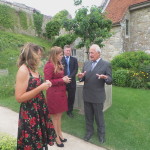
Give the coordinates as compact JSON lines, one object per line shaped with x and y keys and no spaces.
{"x":54,"y":52}
{"x":29,"y":56}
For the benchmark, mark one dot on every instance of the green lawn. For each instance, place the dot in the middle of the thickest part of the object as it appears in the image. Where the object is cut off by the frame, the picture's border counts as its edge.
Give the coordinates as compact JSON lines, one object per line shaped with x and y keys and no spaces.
{"x":127,"y":121}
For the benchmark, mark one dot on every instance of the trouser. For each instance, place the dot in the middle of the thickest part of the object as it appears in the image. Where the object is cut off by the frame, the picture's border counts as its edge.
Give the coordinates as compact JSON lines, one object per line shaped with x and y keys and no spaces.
{"x":71,"y":98}
{"x":94,"y":110}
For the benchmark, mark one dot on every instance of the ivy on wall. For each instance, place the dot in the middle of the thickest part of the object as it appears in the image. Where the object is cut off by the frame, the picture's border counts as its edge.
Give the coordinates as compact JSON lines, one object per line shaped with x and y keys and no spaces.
{"x":9,"y":19}
{"x":6,"y":17}
{"x":38,"y":21}
{"x":23,"y":20}
{"x":31,"y":23}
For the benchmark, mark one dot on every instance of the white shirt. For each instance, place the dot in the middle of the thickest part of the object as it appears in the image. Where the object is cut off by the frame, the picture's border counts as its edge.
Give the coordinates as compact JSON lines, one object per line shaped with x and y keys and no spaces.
{"x":95,"y":63}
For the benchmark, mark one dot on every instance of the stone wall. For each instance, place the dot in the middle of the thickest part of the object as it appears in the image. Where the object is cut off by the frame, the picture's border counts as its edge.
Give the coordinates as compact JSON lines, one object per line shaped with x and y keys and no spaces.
{"x":18,"y":6}
{"x":113,"y":45}
{"x":29,"y":13}
{"x":126,"y":46}
{"x":30,"y":30}
{"x":140,"y":29}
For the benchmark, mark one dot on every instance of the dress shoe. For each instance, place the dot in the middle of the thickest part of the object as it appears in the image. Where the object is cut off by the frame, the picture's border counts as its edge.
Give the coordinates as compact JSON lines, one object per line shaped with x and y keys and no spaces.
{"x":60,"y":145}
{"x":87,"y":137}
{"x":102,"y":139}
{"x":63,"y":140}
{"x":70,"y":114}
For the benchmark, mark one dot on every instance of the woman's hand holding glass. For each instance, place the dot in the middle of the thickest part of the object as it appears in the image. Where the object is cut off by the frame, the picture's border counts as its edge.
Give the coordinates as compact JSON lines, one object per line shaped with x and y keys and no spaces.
{"x":46,"y":85}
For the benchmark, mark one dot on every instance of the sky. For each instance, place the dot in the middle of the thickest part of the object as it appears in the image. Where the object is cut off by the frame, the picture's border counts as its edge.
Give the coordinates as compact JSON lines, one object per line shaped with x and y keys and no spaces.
{"x":51,"y":7}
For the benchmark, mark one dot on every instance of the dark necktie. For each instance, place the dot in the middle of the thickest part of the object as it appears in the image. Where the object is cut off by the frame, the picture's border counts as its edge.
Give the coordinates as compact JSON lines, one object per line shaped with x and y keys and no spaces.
{"x":68,"y":70}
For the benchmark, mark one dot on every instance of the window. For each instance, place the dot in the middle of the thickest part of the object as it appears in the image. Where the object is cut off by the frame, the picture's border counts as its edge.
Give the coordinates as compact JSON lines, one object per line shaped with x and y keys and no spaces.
{"x":127,"y":27}
{"x":73,"y":52}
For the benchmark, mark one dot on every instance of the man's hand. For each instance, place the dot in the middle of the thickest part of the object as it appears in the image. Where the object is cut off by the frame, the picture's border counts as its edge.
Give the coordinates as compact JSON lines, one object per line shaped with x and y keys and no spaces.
{"x":81,"y":75}
{"x":101,"y":76}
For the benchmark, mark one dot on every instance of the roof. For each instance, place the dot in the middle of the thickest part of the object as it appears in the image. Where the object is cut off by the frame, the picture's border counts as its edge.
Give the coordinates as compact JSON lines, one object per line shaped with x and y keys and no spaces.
{"x":116,"y":9}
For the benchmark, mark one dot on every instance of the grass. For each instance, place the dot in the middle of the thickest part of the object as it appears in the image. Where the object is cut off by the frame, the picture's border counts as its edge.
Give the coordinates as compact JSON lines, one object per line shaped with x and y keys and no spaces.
{"x":10,"y":103}
{"x":10,"y":45}
{"x":127,"y":120}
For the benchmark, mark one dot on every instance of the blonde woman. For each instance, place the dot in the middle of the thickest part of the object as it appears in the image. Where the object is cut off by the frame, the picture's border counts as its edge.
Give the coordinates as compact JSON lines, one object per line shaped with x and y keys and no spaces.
{"x":56,"y":95}
{"x":35,"y":128}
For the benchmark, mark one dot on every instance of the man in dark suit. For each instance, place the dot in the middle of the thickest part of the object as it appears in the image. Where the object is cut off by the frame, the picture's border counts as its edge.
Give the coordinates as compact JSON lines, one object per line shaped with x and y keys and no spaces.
{"x":96,"y":73}
{"x":70,"y":68}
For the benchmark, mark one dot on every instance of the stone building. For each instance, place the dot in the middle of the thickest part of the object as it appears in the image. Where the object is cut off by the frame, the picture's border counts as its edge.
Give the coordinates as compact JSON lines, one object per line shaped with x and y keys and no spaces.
{"x":131,"y":27}
{"x":29,"y":14}
{"x":130,"y":30}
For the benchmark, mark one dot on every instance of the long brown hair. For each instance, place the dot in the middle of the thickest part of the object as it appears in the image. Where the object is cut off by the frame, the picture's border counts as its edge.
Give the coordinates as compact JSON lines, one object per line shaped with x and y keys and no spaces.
{"x":54,"y":52}
{"x":29,"y":56}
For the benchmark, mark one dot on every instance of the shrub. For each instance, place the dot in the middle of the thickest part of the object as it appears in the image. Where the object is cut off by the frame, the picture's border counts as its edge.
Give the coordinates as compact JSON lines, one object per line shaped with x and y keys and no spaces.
{"x":121,"y":78}
{"x":7,"y":142}
{"x":131,"y":60}
{"x":128,"y":78}
{"x":139,"y":80}
{"x":131,"y":69}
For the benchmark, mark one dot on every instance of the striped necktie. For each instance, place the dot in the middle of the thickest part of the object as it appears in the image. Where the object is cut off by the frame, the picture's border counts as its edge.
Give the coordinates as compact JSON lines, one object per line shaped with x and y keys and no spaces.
{"x":93,"y":65}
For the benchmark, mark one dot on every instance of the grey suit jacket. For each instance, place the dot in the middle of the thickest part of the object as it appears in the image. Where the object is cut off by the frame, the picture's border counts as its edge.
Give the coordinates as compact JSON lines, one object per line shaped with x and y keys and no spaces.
{"x":94,"y":88}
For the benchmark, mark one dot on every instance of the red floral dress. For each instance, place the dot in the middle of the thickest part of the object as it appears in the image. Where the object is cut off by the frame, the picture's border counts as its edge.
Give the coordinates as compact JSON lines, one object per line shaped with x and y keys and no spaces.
{"x":35,"y":128}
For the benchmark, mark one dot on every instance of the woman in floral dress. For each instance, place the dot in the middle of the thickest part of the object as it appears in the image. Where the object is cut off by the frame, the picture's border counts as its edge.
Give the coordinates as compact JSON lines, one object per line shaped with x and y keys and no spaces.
{"x":35,"y":128}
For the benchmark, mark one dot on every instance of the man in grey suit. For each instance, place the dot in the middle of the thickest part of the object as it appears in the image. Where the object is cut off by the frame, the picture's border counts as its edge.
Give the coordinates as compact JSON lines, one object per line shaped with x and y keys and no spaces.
{"x":95,"y":74}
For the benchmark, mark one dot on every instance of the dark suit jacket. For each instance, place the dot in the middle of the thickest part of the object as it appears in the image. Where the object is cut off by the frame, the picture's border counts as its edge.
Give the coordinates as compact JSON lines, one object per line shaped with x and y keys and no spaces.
{"x":73,"y":66}
{"x":94,"y":88}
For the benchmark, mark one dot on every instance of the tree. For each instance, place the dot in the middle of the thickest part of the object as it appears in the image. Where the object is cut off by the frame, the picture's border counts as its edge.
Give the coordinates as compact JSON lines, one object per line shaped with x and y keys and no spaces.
{"x":63,"y":40}
{"x":61,"y":16}
{"x":92,"y":27}
{"x":53,"y":27}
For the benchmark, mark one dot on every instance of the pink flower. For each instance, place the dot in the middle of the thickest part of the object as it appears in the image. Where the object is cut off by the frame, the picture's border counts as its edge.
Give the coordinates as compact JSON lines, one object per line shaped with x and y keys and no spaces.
{"x":35,"y":106}
{"x":26,"y":135}
{"x":39,"y":145}
{"x":32,"y":121}
{"x":25,"y":115}
{"x":39,"y":132}
{"x":27,"y":147}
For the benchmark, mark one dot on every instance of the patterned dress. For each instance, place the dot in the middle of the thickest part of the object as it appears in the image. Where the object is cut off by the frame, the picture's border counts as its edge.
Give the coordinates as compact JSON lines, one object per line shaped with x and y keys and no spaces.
{"x":35,"y":128}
